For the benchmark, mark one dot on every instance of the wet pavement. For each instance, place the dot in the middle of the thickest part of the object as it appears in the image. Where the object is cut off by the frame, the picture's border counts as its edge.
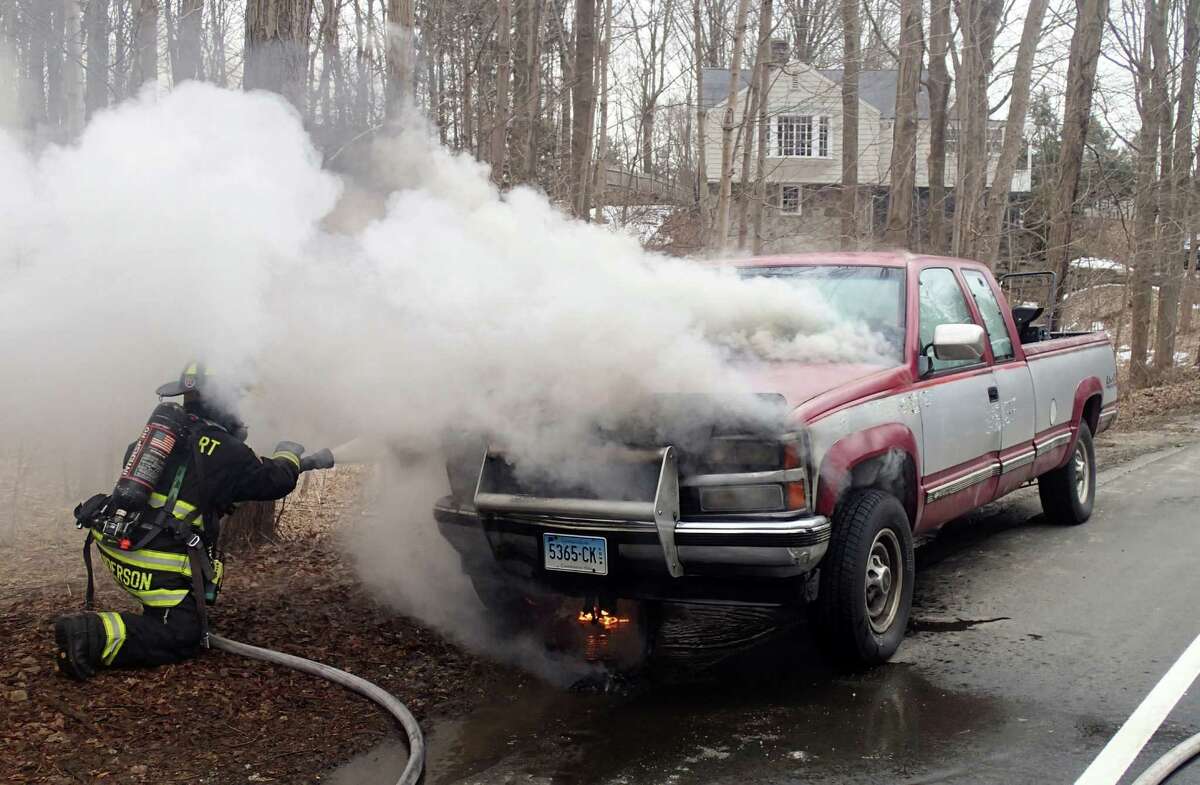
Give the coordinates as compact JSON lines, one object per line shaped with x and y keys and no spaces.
{"x":1030,"y":645}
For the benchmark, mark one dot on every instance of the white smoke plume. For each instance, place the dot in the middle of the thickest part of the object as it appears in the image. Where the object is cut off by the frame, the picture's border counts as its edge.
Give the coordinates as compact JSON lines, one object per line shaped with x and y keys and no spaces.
{"x":191,"y":225}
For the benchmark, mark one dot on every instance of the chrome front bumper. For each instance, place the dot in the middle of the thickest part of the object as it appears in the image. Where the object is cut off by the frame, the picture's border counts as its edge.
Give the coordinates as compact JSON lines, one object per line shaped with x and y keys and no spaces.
{"x":774,"y":548}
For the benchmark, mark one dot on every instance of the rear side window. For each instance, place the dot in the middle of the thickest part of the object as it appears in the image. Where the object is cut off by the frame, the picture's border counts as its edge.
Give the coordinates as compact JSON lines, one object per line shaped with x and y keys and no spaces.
{"x":942,"y":302}
{"x":993,"y":318}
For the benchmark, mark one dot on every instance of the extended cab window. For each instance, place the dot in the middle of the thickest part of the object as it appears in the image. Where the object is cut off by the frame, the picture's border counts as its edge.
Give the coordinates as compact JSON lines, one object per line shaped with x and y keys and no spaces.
{"x":942,"y":302}
{"x":993,"y":319}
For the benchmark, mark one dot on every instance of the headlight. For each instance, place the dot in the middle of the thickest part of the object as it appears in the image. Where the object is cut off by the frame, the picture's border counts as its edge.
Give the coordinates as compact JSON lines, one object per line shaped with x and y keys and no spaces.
{"x":742,"y":498}
{"x":749,"y":475}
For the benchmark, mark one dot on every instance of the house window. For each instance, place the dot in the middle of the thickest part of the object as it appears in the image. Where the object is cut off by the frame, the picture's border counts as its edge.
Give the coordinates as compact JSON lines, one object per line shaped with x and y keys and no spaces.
{"x":995,"y":139}
{"x":790,"y":199}
{"x":802,"y":136}
{"x":951,"y":137}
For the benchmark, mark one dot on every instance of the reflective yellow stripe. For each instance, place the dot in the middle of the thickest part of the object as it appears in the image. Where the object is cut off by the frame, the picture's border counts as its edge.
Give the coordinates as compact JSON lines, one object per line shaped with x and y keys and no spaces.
{"x":182,"y":508}
{"x":191,"y":370}
{"x":147,"y":559}
{"x":161,"y":598}
{"x":114,"y":636}
{"x":291,"y":456}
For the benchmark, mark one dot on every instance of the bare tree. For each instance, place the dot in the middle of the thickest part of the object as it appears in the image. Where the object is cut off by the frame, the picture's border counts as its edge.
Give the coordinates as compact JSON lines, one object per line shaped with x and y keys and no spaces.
{"x":190,"y":61}
{"x":702,"y":200}
{"x":583,"y":98}
{"x":147,"y":41}
{"x":277,"y":36}
{"x":757,"y":100}
{"x":73,"y":68}
{"x":728,"y":125}
{"x":978,"y":20}
{"x":939,"y":99}
{"x":399,"y":57}
{"x":1178,"y":251}
{"x":503,"y":77}
{"x":526,"y":80}
{"x":96,"y":89}
{"x":1081,"y":81}
{"x":1151,"y":96}
{"x":851,"y":34}
{"x":904,"y":136}
{"x":650,"y":38}
{"x":601,"y":174}
{"x":1014,"y":143}
{"x":767,"y":12}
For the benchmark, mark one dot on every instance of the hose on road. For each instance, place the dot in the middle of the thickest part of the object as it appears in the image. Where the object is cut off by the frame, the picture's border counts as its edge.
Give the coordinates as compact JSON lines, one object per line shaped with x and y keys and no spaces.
{"x":416,"y":742}
{"x":1168,"y":764}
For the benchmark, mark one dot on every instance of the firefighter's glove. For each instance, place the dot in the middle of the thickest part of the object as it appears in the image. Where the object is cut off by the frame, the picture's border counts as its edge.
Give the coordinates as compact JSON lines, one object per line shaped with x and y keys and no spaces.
{"x":291,"y":452}
{"x":321,"y":459}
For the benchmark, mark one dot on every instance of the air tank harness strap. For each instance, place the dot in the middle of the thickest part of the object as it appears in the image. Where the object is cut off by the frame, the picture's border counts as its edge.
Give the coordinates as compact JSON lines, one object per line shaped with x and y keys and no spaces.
{"x":202,"y":569}
{"x":90,"y":596}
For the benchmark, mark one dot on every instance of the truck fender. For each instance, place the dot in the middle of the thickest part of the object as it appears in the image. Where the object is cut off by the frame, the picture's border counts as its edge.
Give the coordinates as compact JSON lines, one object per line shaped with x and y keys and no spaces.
{"x":837,"y":471}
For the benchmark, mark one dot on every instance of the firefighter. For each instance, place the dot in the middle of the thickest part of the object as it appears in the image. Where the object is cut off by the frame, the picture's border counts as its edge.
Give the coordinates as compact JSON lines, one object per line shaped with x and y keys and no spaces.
{"x":205,"y":481}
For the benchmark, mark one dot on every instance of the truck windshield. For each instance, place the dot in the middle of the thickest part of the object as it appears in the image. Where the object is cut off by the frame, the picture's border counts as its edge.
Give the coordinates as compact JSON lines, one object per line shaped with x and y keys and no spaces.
{"x":873,"y":296}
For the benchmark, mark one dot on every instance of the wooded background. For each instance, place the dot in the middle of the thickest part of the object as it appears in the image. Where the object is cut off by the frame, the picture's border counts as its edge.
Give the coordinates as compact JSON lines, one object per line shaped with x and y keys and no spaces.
{"x":560,"y":94}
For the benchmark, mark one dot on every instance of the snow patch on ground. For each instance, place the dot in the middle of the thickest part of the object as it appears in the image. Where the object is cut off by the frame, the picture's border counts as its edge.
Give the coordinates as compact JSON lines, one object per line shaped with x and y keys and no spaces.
{"x":639,"y":221}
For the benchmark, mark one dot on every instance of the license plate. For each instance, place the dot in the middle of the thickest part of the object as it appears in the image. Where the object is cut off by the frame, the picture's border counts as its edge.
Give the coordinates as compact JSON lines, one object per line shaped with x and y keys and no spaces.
{"x":567,"y":553}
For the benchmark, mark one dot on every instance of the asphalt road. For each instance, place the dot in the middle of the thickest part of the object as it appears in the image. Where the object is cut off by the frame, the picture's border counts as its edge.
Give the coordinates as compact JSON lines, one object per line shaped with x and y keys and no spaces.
{"x":1030,"y":646}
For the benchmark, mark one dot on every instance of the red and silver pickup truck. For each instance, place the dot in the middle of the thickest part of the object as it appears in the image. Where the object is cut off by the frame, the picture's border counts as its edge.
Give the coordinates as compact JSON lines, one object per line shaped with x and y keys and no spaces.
{"x":824,"y":511}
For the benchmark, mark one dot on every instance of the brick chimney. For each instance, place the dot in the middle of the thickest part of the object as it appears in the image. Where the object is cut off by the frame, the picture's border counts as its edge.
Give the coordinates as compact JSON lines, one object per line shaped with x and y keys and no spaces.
{"x":779,"y":52}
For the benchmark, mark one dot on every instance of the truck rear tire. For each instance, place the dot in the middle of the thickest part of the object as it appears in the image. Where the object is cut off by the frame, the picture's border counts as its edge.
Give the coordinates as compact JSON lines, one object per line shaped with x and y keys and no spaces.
{"x":866,"y":583}
{"x":1069,"y":491}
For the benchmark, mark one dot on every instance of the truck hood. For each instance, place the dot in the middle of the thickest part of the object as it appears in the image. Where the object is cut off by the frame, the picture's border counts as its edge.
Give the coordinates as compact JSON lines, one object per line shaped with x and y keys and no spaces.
{"x":825,"y":385}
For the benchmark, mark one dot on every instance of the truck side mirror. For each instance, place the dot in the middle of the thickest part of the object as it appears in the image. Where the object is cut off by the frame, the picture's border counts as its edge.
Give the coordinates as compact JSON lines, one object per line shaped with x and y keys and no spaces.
{"x":958,"y":342}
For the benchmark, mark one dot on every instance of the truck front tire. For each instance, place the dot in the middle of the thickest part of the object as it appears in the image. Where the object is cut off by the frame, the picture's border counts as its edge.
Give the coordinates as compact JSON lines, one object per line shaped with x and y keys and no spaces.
{"x":1069,"y":491}
{"x":866,"y":583}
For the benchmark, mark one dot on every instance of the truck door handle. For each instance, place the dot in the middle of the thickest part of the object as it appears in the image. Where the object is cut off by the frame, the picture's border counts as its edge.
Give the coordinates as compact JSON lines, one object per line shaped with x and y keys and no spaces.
{"x":993,"y":394}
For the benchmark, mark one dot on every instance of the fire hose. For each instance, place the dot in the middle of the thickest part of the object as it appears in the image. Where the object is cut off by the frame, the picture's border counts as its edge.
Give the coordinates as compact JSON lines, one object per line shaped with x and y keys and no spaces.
{"x":1168,"y":764}
{"x":416,"y":742}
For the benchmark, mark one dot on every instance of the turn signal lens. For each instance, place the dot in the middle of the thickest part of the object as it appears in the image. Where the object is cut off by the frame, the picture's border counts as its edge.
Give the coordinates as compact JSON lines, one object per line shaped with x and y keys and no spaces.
{"x":797,"y":499}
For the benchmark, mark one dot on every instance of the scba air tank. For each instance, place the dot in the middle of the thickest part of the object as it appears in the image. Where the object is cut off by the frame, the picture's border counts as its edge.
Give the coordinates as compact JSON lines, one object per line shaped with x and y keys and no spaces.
{"x":146,"y":463}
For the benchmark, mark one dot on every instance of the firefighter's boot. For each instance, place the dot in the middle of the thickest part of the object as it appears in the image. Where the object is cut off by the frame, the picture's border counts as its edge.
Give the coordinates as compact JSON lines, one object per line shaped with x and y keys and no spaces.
{"x":81,"y":641}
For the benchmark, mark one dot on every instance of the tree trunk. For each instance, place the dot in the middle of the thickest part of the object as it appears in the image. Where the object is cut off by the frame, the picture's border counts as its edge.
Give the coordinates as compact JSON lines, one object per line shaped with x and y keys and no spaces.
{"x":253,"y":523}
{"x":55,"y":60}
{"x":1014,"y":143}
{"x":601,"y":174}
{"x":38,"y":18}
{"x":939,"y":99}
{"x":764,"y":90}
{"x":73,"y":69}
{"x":277,"y":33}
{"x":749,"y":131}
{"x":503,"y":76}
{"x":1177,"y":252}
{"x":702,"y":200}
{"x":1150,"y":73}
{"x":728,"y":126}
{"x":904,"y":137}
{"x":1081,"y":80}
{"x":191,"y":29}
{"x":979,"y":19}
{"x":565,"y":95}
{"x":400,"y":60}
{"x":96,"y":89}
{"x":583,"y":97}
{"x":147,"y":42}
{"x":852,"y":44}
{"x":220,"y":69}
{"x":526,"y":76}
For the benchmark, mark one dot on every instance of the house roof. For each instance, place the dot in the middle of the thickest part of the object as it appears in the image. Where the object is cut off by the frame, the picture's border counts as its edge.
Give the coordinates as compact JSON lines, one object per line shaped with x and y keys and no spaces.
{"x":716,"y":85}
{"x":877,"y":88}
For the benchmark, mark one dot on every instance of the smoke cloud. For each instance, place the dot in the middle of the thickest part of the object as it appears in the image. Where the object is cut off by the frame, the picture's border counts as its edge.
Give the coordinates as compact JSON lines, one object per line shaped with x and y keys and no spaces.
{"x":192,"y":225}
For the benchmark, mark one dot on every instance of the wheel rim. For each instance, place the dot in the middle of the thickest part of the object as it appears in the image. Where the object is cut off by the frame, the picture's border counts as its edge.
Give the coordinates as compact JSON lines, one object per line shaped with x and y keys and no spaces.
{"x":1083,"y":477}
{"x":885,"y":580}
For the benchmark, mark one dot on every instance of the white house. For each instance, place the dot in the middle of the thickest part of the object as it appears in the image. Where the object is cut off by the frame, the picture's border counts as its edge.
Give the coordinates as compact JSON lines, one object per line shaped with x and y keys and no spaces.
{"x":804,"y":150}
